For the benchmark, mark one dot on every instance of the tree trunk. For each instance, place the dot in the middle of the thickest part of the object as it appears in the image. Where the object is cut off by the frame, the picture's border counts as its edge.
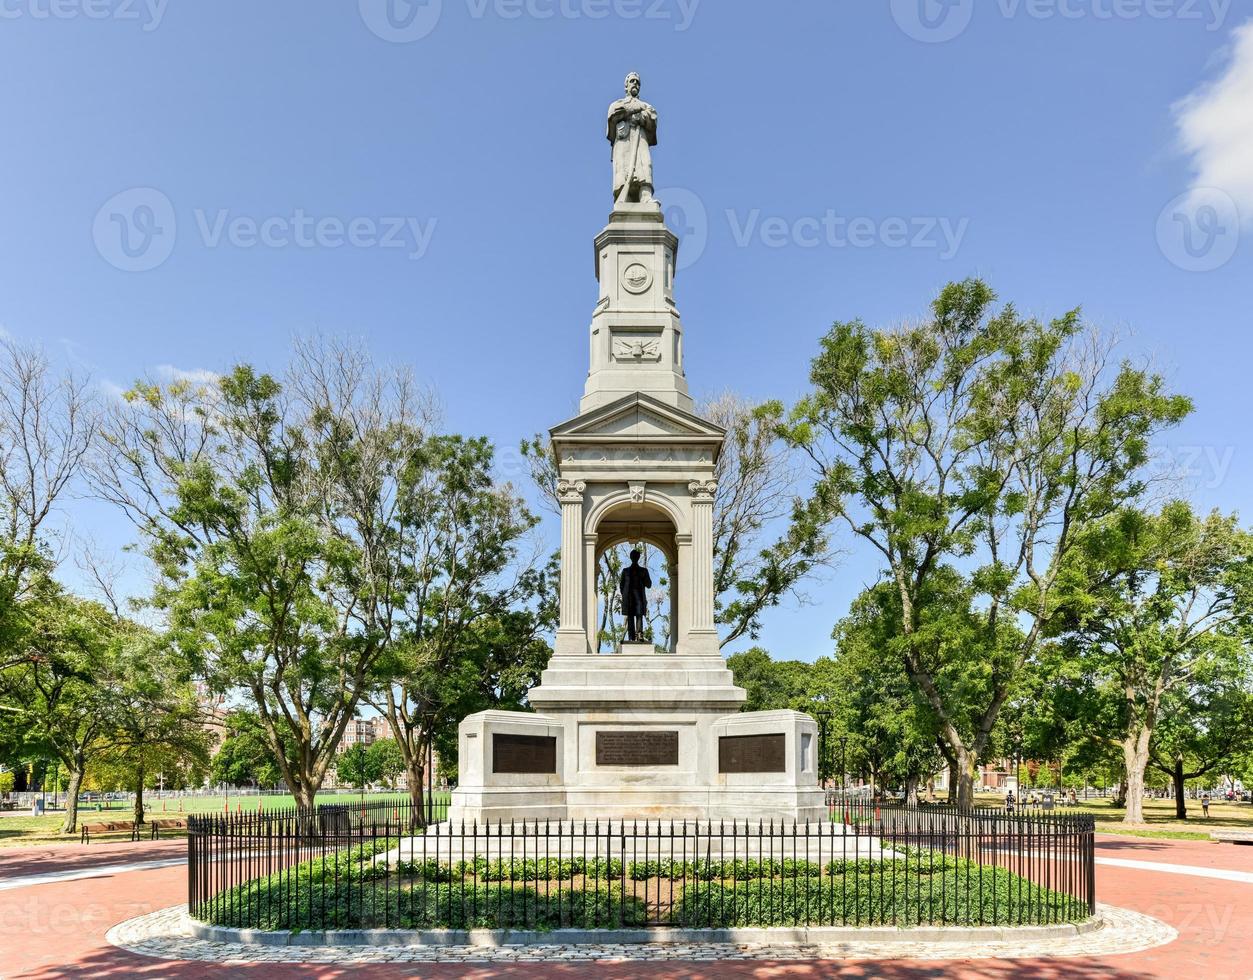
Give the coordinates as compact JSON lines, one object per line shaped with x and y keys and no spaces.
{"x":911,"y":791}
{"x":71,"y":802}
{"x":139,"y":796}
{"x":416,"y":772}
{"x":305,"y":794}
{"x":1135,"y":751}
{"x":952,"y":782}
{"x":966,"y":765}
{"x":1181,"y":804}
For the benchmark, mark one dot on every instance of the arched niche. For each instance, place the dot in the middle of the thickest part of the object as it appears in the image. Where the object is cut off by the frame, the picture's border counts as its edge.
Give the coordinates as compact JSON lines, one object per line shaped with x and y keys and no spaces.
{"x":633,"y":522}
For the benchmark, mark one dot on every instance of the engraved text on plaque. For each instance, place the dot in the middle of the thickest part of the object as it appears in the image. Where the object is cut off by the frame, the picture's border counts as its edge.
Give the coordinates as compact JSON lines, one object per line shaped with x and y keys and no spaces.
{"x":637,"y":748}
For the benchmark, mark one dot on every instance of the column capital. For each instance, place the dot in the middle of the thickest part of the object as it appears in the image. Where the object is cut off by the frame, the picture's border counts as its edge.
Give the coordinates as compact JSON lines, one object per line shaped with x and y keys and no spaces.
{"x":571,"y":491}
{"x":703,"y":491}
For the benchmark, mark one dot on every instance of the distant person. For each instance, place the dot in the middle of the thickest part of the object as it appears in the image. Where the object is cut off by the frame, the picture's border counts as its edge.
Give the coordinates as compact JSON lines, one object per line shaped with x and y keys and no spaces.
{"x":1205,"y":805}
{"x":1009,"y":802}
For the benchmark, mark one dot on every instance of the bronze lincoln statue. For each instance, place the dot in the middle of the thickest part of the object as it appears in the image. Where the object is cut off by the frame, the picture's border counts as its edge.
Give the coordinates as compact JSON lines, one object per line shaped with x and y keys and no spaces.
{"x":634,"y":584}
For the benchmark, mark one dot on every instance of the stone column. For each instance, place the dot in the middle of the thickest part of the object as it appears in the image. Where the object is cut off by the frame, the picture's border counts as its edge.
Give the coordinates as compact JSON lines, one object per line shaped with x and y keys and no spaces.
{"x":673,"y":560}
{"x":682,"y":592}
{"x":591,"y":614}
{"x":702,"y":631}
{"x":571,"y":632}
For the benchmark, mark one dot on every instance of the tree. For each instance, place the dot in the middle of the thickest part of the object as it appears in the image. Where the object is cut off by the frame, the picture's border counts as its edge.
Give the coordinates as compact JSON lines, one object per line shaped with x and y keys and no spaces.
{"x":269,"y":509}
{"x":756,"y":481}
{"x":156,"y":718}
{"x":1158,"y":603}
{"x":892,"y":732}
{"x":245,"y":757}
{"x":1206,"y":727}
{"x":771,"y":684}
{"x":386,"y":760}
{"x":460,"y":589}
{"x":64,"y":679}
{"x":356,"y":766}
{"x":47,"y":425}
{"x":980,"y":443}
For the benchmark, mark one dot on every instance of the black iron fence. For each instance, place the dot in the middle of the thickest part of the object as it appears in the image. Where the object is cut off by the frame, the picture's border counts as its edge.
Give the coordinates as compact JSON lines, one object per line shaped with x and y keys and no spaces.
{"x":373,"y":865}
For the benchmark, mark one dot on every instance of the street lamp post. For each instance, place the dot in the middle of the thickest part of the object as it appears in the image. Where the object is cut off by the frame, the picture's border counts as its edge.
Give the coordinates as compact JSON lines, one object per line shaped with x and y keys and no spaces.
{"x":824,"y":726}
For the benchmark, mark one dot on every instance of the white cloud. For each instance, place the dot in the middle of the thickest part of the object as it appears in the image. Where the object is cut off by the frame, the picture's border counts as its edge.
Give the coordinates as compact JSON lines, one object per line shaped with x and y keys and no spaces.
{"x":1216,"y":126}
{"x":112,"y":390}
{"x":201,"y":376}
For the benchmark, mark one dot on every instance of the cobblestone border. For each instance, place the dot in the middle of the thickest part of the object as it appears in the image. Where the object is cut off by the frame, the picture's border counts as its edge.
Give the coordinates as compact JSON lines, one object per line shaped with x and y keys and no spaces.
{"x":168,"y":934}
{"x":661,"y":936}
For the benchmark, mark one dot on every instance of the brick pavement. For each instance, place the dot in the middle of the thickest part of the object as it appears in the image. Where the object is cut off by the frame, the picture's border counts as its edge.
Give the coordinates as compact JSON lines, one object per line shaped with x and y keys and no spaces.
{"x":57,"y":930}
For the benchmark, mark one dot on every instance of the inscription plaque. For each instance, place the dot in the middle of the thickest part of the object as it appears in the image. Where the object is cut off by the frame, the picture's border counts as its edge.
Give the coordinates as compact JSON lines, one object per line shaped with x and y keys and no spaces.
{"x":637,"y":748}
{"x":752,"y":753}
{"x":524,"y":754}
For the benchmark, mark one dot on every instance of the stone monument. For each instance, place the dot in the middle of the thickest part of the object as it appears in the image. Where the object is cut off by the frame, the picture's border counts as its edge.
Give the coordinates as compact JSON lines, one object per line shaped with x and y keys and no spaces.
{"x":640,"y":732}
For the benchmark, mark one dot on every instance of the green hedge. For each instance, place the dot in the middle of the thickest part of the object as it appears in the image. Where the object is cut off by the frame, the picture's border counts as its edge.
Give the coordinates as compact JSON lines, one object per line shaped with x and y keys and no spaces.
{"x":350,"y":889}
{"x":440,"y":905}
{"x":880,"y":893}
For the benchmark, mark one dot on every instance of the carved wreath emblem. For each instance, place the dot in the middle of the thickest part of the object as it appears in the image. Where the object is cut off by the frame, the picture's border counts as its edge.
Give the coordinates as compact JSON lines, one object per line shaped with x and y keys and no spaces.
{"x":636,"y":278}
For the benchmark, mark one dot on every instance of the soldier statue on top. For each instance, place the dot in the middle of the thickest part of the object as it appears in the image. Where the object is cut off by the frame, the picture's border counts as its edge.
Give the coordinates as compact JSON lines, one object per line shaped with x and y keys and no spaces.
{"x":632,"y":129}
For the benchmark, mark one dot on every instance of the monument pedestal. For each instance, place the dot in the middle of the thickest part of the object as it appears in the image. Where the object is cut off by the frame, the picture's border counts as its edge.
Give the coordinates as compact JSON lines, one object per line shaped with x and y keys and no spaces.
{"x":638,"y":736}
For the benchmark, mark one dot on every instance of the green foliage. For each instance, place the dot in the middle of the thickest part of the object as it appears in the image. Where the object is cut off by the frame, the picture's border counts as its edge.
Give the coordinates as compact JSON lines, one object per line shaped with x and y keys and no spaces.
{"x":471,"y":619}
{"x":356,"y":766}
{"x":353,"y":889}
{"x":880,"y":893}
{"x":246,"y":757}
{"x":969,"y":451}
{"x":386,"y":760}
{"x":1156,"y":638}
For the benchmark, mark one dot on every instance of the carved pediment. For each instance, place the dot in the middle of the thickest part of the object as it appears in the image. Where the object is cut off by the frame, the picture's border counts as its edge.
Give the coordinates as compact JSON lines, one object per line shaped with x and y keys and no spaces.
{"x":638,"y":417}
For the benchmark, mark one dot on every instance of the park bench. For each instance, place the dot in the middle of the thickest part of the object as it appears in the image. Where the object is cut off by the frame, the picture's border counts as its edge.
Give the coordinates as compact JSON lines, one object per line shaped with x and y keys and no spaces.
{"x":154,"y":828}
{"x":90,"y":830}
{"x":167,"y":823}
{"x":1233,"y":836}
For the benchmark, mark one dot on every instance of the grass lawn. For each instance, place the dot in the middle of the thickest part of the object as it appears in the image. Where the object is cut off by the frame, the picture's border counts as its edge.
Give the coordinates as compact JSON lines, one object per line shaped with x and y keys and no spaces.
{"x":20,"y":830}
{"x":1159,"y":817}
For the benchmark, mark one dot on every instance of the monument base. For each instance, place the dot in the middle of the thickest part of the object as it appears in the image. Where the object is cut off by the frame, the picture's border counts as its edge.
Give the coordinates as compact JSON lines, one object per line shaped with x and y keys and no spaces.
{"x":638,"y":840}
{"x":780,"y":805}
{"x":677,"y":756}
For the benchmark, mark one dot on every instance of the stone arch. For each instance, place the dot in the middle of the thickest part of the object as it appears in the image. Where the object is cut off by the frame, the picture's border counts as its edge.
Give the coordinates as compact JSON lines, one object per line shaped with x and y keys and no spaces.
{"x":618,"y":498}
{"x":625,"y":519}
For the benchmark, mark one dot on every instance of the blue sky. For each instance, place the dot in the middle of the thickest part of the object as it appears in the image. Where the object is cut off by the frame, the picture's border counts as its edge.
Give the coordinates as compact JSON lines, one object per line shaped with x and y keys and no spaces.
{"x":823,"y":161}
